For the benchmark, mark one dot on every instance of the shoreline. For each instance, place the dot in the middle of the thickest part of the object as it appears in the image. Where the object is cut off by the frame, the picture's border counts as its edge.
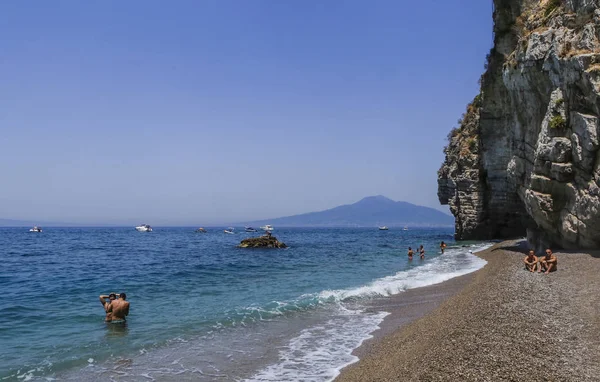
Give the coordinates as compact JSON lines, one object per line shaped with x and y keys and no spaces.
{"x":497,"y":323}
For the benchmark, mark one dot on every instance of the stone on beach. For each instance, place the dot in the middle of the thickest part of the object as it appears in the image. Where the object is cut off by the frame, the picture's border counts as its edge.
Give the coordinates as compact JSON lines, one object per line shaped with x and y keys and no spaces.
{"x":262,"y":242}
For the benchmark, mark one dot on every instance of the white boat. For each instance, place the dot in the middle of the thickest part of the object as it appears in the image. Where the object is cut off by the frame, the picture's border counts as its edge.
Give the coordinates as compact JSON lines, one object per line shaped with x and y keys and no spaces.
{"x":383,"y":228}
{"x":35,"y":229}
{"x":250,"y":229}
{"x":229,"y":230}
{"x":267,"y":227}
{"x":143,"y":228}
{"x":405,"y":229}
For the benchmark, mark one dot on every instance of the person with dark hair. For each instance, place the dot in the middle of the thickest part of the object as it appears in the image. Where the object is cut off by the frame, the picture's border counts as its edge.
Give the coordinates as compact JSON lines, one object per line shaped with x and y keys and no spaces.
{"x":548,"y":263}
{"x":410,"y":253}
{"x":106,"y":304}
{"x":442,"y":247}
{"x":116,"y":309}
{"x":422,"y":252}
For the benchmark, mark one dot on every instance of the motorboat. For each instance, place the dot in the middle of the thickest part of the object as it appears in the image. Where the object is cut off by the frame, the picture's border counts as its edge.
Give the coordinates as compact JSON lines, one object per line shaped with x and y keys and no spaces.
{"x":35,"y":229}
{"x":250,"y":229}
{"x":201,"y":230}
{"x":229,"y":230}
{"x":143,"y":228}
{"x":405,"y":229}
{"x":383,"y":228}
{"x":267,"y":227}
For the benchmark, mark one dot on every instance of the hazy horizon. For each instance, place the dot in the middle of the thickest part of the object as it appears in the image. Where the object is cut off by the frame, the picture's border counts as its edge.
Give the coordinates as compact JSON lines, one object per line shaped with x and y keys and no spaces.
{"x":224,"y":111}
{"x":130,"y":222}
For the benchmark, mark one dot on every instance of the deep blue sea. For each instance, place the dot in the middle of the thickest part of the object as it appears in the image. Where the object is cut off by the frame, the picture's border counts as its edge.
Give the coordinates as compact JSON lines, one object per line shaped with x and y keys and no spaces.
{"x":201,"y":308}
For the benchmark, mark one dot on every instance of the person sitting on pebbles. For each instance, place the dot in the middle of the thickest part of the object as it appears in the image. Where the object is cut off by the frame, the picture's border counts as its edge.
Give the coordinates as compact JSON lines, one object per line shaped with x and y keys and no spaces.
{"x":548,"y":263}
{"x":531,"y":261}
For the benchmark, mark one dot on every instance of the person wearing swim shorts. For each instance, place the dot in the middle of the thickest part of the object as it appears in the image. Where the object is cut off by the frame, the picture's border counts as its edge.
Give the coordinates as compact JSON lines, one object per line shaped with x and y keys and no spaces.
{"x":410,"y":253}
{"x":548,"y":263}
{"x":531,"y":261}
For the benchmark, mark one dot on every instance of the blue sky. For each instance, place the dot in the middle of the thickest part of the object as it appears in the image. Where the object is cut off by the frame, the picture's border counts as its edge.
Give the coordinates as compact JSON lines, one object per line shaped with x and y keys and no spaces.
{"x":200,"y":112}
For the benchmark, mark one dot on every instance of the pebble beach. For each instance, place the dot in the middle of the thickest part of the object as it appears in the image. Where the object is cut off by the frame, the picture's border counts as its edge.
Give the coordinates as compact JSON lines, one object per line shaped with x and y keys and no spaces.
{"x":501,"y":323}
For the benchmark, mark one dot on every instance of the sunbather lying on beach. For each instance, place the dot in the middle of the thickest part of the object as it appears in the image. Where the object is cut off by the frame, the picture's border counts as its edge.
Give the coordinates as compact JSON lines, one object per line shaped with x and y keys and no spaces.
{"x":548,"y":263}
{"x":531,"y":261}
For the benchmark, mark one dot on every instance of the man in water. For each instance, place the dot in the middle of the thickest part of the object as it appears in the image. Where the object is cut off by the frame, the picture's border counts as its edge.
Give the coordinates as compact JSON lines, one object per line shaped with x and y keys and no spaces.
{"x":531,"y":261}
{"x":410,"y":253}
{"x":422,"y":252}
{"x":548,"y":263}
{"x":116,"y":309}
{"x":106,"y":304}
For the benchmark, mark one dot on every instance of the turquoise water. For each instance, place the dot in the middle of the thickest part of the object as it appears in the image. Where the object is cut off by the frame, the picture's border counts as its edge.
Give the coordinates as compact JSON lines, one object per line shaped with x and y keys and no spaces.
{"x":198,"y":303}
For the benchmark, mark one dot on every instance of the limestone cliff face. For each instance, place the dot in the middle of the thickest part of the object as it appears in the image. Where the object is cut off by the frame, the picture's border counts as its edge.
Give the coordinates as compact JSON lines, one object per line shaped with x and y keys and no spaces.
{"x":525,"y":158}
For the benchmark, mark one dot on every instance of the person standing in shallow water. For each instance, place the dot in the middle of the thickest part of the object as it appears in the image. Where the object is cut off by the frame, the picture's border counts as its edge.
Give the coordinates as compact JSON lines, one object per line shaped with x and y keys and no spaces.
{"x":422,"y":252}
{"x":107,"y":304}
{"x":442,"y":247}
{"x":410,"y":253}
{"x":116,"y":310}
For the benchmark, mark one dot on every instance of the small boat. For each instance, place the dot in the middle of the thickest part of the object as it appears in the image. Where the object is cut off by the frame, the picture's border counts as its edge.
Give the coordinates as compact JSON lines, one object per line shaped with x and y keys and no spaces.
{"x":383,"y":228}
{"x":143,"y":228}
{"x":35,"y":229}
{"x":267,"y":227}
{"x":250,"y":229}
{"x":229,"y":230}
{"x":405,"y":229}
{"x":201,"y":230}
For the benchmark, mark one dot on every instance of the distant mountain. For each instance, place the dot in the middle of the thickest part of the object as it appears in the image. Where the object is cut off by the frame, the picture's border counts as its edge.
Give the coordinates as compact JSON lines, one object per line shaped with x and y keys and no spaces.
{"x":369,"y":212}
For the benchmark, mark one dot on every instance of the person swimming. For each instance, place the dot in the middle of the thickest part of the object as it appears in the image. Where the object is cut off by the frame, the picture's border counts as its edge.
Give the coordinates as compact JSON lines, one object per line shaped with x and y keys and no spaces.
{"x":422,"y":252}
{"x":410,"y":253}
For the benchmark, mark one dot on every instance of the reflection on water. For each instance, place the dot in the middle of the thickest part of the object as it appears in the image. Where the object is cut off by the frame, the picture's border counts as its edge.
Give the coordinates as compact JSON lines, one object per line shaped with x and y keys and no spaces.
{"x":116,"y":329}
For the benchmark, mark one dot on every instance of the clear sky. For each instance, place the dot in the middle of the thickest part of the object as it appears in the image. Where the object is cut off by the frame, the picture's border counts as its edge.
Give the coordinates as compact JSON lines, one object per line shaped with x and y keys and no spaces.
{"x":201,"y":112}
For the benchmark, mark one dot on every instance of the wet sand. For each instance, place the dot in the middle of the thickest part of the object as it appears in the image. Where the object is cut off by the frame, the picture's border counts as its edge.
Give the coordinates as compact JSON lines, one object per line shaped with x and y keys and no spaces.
{"x":500,"y":323}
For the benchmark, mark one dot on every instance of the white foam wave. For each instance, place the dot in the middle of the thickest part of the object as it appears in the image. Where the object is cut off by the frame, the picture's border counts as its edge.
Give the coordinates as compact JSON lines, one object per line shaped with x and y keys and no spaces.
{"x":456,"y":262}
{"x":320,"y":352}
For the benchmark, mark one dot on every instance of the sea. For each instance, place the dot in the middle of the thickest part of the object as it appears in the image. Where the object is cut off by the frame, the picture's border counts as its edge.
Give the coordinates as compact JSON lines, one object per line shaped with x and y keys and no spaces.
{"x":203,"y":309}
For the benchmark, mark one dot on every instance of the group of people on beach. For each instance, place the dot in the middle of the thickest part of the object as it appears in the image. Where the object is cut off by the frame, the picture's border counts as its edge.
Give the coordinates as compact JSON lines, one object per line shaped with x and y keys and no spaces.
{"x":546,"y":264}
{"x":421,"y":251}
{"x":116,"y":307}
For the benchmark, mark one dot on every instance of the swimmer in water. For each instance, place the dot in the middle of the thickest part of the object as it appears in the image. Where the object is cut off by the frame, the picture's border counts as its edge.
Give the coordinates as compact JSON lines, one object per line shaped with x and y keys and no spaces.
{"x":116,"y":309}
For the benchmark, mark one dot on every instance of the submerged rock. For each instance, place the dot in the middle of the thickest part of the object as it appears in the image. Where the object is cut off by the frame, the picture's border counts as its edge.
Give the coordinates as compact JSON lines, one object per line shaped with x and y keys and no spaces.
{"x":262,"y":242}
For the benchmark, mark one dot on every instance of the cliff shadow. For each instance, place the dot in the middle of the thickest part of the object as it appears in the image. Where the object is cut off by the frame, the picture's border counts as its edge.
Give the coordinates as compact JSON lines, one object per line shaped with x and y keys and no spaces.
{"x":517,"y":245}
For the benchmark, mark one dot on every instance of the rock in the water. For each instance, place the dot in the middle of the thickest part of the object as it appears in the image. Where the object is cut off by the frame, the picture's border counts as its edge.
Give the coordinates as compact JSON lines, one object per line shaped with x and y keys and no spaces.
{"x":262,"y":242}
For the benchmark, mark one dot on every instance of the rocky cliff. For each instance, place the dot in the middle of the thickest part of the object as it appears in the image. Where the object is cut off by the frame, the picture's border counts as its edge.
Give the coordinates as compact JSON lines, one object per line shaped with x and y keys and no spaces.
{"x":525,"y":157}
